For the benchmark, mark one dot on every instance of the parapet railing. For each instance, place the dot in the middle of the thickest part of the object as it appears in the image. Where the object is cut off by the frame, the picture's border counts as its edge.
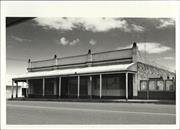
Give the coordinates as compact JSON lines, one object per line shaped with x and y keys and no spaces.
{"x":42,"y":63}
{"x":72,"y":60}
{"x":82,"y":59}
{"x":117,"y":54}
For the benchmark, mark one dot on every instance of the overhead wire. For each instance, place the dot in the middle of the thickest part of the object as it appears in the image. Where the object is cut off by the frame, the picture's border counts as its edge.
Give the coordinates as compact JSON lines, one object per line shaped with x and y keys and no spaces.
{"x":16,"y":59}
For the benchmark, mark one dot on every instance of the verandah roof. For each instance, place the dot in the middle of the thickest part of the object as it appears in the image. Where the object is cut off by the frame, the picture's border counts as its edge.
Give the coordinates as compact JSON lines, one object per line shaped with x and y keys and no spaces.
{"x":86,"y":70}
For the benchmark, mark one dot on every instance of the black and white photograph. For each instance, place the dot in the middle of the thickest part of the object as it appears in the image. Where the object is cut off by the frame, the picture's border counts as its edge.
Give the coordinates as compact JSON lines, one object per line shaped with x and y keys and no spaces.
{"x":84,"y":70}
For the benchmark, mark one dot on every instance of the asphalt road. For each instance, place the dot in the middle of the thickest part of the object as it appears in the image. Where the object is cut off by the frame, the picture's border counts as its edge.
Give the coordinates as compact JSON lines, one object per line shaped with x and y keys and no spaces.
{"x":44,"y":112}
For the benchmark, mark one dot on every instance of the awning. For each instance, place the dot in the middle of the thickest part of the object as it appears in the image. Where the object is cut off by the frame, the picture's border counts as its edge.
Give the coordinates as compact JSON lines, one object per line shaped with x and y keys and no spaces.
{"x":87,"y":70}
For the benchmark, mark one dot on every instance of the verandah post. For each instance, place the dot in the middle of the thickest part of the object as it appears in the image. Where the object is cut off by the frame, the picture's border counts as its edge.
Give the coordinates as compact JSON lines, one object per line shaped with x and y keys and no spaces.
{"x":43,"y":92}
{"x":28,"y":87}
{"x":12,"y":89}
{"x":78,"y":85}
{"x":90,"y":80}
{"x":55,"y":87}
{"x":100,"y":89}
{"x":126,"y":86}
{"x":147,"y":89}
{"x":16,"y":89}
{"x":59,"y":86}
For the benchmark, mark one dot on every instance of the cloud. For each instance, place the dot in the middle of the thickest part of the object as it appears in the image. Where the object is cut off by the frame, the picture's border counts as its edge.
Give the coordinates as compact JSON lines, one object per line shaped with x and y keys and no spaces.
{"x":104,"y":24}
{"x":137,"y":28}
{"x":88,"y":24}
{"x":164,"y":23}
{"x":18,"y":39}
{"x":63,"y":41}
{"x":169,"y":58}
{"x":74,"y":42}
{"x":92,"y":42}
{"x":150,"y":47}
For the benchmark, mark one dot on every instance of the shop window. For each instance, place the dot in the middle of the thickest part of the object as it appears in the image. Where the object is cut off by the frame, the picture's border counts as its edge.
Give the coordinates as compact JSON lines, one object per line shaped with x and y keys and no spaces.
{"x":152,"y":85}
{"x":36,"y":86}
{"x":160,"y":85}
{"x":49,"y":86}
{"x":113,"y":81}
{"x":110,"y":83}
{"x":95,"y":81}
{"x":169,"y":85}
{"x":72,"y":86}
{"x":143,"y":85}
{"x":95,"y":85}
{"x":84,"y":81}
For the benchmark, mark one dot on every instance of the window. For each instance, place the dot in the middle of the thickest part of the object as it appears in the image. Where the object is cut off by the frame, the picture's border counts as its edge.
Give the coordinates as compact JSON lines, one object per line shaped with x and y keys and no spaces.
{"x":95,"y":85}
{"x":49,"y":86}
{"x":113,"y":81}
{"x":160,"y":85}
{"x":36,"y":86}
{"x":113,"y":85}
{"x":152,"y":85}
{"x":110,"y":83}
{"x":143,"y":85}
{"x":169,"y":85}
{"x":84,"y":83}
{"x":72,"y":86}
{"x":95,"y":81}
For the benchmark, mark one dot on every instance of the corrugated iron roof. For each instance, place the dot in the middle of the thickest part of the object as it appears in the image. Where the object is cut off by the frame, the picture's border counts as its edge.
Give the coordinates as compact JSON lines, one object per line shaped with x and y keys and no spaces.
{"x":86,"y":70}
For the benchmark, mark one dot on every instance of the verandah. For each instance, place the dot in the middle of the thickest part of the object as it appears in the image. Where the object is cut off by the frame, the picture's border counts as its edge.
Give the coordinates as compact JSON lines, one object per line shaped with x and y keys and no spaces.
{"x":82,"y":86}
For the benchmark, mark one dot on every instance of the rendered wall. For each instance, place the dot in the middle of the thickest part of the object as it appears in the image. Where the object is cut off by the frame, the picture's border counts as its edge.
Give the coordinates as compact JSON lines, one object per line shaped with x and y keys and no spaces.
{"x":148,"y":72}
{"x":144,"y":72}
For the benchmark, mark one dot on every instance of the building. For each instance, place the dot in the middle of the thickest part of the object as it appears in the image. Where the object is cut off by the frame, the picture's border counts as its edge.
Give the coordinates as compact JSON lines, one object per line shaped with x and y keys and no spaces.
{"x":9,"y":91}
{"x":21,"y":88}
{"x":114,"y":74}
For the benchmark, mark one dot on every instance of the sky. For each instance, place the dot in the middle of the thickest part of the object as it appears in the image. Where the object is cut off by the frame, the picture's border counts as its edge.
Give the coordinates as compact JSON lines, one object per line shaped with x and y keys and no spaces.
{"x":42,"y":38}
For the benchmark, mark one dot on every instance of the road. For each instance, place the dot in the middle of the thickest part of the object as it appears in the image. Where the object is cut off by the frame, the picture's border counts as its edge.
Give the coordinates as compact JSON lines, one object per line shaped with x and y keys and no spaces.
{"x":46,"y":112}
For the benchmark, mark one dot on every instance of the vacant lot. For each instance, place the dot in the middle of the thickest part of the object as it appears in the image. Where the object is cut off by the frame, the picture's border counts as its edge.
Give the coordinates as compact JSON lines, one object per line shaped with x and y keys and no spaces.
{"x":44,"y":112}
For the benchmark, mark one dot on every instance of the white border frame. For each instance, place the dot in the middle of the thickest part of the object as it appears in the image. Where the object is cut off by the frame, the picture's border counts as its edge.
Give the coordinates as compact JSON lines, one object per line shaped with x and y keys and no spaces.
{"x":153,"y":9}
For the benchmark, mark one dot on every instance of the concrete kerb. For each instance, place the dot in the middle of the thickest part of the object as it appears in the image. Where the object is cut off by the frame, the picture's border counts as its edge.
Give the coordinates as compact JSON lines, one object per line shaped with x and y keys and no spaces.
{"x":173,"y":102}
